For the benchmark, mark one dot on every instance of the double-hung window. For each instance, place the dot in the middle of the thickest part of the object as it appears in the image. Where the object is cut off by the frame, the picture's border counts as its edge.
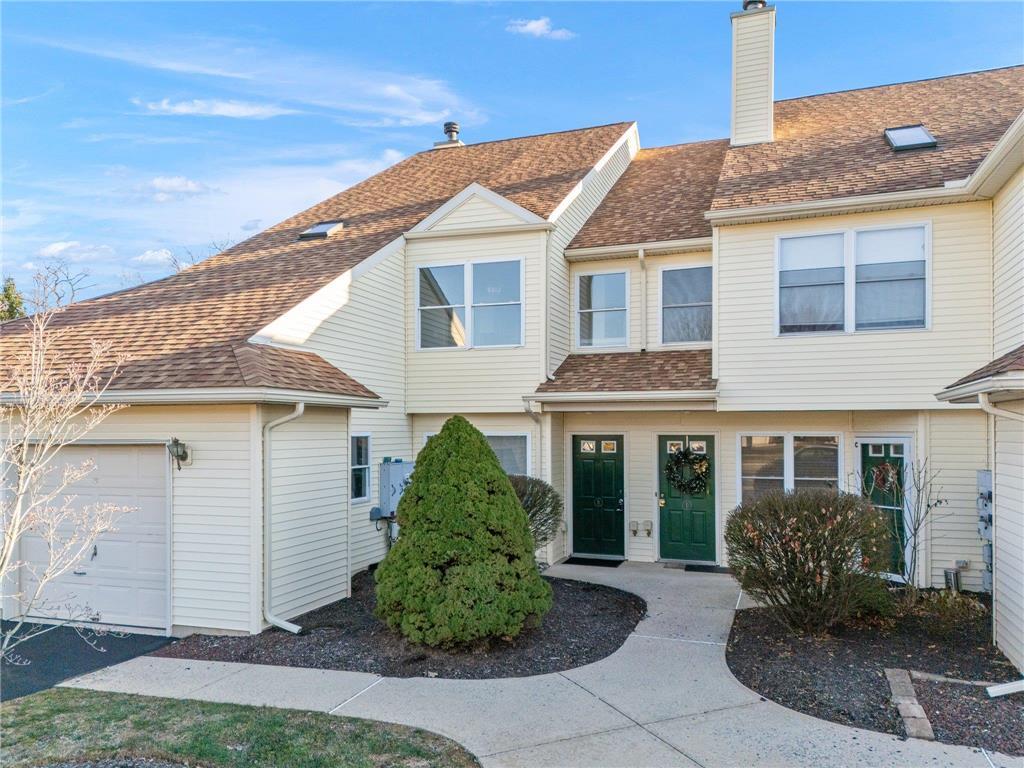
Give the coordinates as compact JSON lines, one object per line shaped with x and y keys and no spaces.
{"x":858,"y":280}
{"x":811,"y":283}
{"x":686,"y":305}
{"x":478,"y":304}
{"x":787,"y":462}
{"x":359,"y":460}
{"x":891,"y":277}
{"x":602,"y":315}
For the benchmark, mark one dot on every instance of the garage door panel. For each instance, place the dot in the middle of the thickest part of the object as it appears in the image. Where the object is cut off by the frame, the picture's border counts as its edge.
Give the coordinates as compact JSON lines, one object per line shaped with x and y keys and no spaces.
{"x":123,"y":580}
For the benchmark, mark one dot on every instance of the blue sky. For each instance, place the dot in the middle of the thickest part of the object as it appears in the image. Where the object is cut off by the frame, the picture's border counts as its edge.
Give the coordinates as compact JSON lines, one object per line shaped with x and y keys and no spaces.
{"x":132,"y":132}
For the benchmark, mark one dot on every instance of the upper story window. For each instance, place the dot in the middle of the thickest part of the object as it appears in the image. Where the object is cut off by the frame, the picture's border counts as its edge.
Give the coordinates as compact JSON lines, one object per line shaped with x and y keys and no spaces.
{"x":477,"y":304}
{"x":686,"y":305}
{"x":602,"y":314}
{"x":867,"y":279}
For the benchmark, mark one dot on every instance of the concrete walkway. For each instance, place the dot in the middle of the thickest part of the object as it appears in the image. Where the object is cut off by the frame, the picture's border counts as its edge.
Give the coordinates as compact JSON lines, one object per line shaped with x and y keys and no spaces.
{"x":666,"y":698}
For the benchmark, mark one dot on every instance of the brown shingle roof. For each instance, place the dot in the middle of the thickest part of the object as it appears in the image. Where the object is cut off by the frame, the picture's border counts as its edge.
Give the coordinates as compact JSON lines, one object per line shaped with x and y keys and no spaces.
{"x":183,"y":331}
{"x":832,"y":146}
{"x":670,"y":371}
{"x":1011,"y":361}
{"x":662,"y":196}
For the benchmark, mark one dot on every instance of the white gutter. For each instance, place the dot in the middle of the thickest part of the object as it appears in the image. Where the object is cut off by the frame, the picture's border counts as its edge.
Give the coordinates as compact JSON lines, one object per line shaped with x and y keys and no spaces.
{"x":228,"y":395}
{"x":1012,"y":381}
{"x":652,"y":248}
{"x":987,"y":407}
{"x":622,"y":397}
{"x":267,"y":507}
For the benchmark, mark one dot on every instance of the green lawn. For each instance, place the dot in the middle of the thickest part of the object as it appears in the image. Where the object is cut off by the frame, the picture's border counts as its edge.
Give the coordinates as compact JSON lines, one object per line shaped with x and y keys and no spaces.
{"x":67,"y":723}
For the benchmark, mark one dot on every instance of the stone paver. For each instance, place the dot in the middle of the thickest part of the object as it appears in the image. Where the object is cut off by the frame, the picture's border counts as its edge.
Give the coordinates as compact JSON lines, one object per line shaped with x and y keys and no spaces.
{"x":666,"y":698}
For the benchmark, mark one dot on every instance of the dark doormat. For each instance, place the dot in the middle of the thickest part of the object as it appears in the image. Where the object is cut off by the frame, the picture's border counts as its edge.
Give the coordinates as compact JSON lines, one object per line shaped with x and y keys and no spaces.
{"x":61,"y":653}
{"x":598,"y":561}
{"x":706,"y":568}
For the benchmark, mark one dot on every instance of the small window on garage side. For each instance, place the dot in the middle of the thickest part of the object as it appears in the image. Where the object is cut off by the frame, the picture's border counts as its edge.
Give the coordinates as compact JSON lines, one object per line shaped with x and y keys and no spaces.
{"x":360,"y":459}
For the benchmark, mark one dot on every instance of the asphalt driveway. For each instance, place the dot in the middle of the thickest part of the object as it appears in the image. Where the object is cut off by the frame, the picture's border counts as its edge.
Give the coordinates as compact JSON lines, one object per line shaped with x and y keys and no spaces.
{"x":61,"y":654}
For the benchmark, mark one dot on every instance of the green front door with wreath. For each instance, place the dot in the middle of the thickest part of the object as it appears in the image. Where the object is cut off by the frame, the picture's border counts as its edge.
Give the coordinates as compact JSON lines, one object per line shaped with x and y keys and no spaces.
{"x":687,"y":514}
{"x":883,"y":471}
{"x":598,"y":496}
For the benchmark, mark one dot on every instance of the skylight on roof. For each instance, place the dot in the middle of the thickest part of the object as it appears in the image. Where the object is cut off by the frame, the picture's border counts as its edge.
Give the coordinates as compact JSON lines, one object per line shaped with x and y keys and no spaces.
{"x":321,"y":230}
{"x":909,"y":137}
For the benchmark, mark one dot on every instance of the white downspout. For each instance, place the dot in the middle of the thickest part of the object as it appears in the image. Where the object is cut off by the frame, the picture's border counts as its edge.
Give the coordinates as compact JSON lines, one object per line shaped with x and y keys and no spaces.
{"x":987,"y":407}
{"x":267,"y":613}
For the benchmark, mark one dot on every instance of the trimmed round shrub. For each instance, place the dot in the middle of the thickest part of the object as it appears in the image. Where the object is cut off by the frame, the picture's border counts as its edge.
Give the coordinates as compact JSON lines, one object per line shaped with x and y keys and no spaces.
{"x":543,"y":507}
{"x":812,"y":557}
{"x":462,"y":568}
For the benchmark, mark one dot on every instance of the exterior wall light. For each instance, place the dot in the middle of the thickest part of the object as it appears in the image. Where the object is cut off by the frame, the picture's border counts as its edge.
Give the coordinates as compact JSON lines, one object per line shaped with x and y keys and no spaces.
{"x":634,"y":528}
{"x":648,"y":528}
{"x":179,"y":452}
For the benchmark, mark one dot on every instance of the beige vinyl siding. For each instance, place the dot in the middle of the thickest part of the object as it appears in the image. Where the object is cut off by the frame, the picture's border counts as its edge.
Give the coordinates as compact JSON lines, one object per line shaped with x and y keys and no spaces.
{"x":366,"y":338}
{"x":1008,"y":262}
{"x":640,"y":430}
{"x":309,"y":495}
{"x":476,"y":212}
{"x":868,"y":370}
{"x":215,"y":554}
{"x":752,"y":77}
{"x":569,"y":223}
{"x":478,"y":380}
{"x":1008,"y":577}
{"x":958,"y":447}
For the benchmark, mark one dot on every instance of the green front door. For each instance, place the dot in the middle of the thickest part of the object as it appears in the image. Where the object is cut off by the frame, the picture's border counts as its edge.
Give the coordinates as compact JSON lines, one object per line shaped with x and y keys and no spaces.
{"x":882,"y":473}
{"x":598,"y":500}
{"x":687,"y":522}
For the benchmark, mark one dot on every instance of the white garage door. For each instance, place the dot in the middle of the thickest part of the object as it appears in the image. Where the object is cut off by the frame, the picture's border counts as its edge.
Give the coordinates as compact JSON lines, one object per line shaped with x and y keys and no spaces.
{"x":123,"y":579}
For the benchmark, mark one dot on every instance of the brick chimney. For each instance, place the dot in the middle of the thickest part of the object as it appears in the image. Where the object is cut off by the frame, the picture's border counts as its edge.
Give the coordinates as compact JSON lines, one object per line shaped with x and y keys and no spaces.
{"x":753,"y":74}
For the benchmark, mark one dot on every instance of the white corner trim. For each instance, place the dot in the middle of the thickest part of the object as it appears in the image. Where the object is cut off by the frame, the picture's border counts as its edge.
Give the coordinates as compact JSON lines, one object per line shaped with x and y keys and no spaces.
{"x":477,"y":190}
{"x":630,"y":136}
{"x":194,"y":395}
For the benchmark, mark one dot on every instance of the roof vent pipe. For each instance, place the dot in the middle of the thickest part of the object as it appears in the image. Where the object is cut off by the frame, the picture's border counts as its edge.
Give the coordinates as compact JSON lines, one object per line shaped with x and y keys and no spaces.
{"x":451,"y":131}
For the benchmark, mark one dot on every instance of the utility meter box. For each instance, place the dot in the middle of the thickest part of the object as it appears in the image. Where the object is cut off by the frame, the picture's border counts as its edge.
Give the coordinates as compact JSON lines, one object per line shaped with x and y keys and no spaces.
{"x":394,"y":477}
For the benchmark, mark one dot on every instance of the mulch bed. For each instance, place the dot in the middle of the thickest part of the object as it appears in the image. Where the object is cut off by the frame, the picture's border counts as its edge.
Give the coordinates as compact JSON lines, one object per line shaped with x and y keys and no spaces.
{"x":586,"y":623}
{"x":840,"y":676}
{"x":964,"y":714}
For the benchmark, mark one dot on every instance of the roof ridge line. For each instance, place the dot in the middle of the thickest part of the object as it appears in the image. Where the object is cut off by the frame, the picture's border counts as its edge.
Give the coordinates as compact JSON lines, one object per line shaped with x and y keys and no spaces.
{"x":537,"y":135}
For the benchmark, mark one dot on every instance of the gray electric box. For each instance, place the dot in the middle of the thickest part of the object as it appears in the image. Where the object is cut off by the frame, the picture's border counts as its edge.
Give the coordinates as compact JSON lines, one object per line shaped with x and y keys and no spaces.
{"x":394,"y":477}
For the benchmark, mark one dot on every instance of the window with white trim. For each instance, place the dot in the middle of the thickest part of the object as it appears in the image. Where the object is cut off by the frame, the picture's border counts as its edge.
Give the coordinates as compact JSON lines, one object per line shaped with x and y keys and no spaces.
{"x":359,"y":459}
{"x":601,"y":314}
{"x":491,"y":291}
{"x":512,"y":450}
{"x":787,"y":462}
{"x":891,"y":276}
{"x":685,"y":305}
{"x":857,"y":280}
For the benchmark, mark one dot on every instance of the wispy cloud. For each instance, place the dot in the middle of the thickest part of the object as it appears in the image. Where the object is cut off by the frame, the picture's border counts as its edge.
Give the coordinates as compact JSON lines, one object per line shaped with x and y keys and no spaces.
{"x":73,"y":250}
{"x":154,"y":257}
{"x":215,"y":108}
{"x":165,"y":188}
{"x":274,"y":76}
{"x":34,"y":97}
{"x":538,"y":28}
{"x":140,"y":138}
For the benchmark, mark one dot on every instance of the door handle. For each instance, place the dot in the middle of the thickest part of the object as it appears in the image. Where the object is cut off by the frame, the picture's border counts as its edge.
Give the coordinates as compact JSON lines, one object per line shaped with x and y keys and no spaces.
{"x":79,"y":573}
{"x":622,"y":507}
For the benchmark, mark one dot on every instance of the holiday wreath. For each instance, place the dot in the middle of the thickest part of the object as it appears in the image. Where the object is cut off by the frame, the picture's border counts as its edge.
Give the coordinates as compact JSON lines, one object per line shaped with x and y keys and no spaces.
{"x":687,"y":472}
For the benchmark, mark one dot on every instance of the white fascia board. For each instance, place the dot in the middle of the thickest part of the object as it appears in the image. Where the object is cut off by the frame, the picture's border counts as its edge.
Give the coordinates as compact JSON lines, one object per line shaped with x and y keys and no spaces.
{"x":1001,"y":162}
{"x":1002,"y":385}
{"x":652,"y":248}
{"x":477,"y":190}
{"x":631,"y":136}
{"x":623,"y":397}
{"x":506,"y":229}
{"x":207,"y":395}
